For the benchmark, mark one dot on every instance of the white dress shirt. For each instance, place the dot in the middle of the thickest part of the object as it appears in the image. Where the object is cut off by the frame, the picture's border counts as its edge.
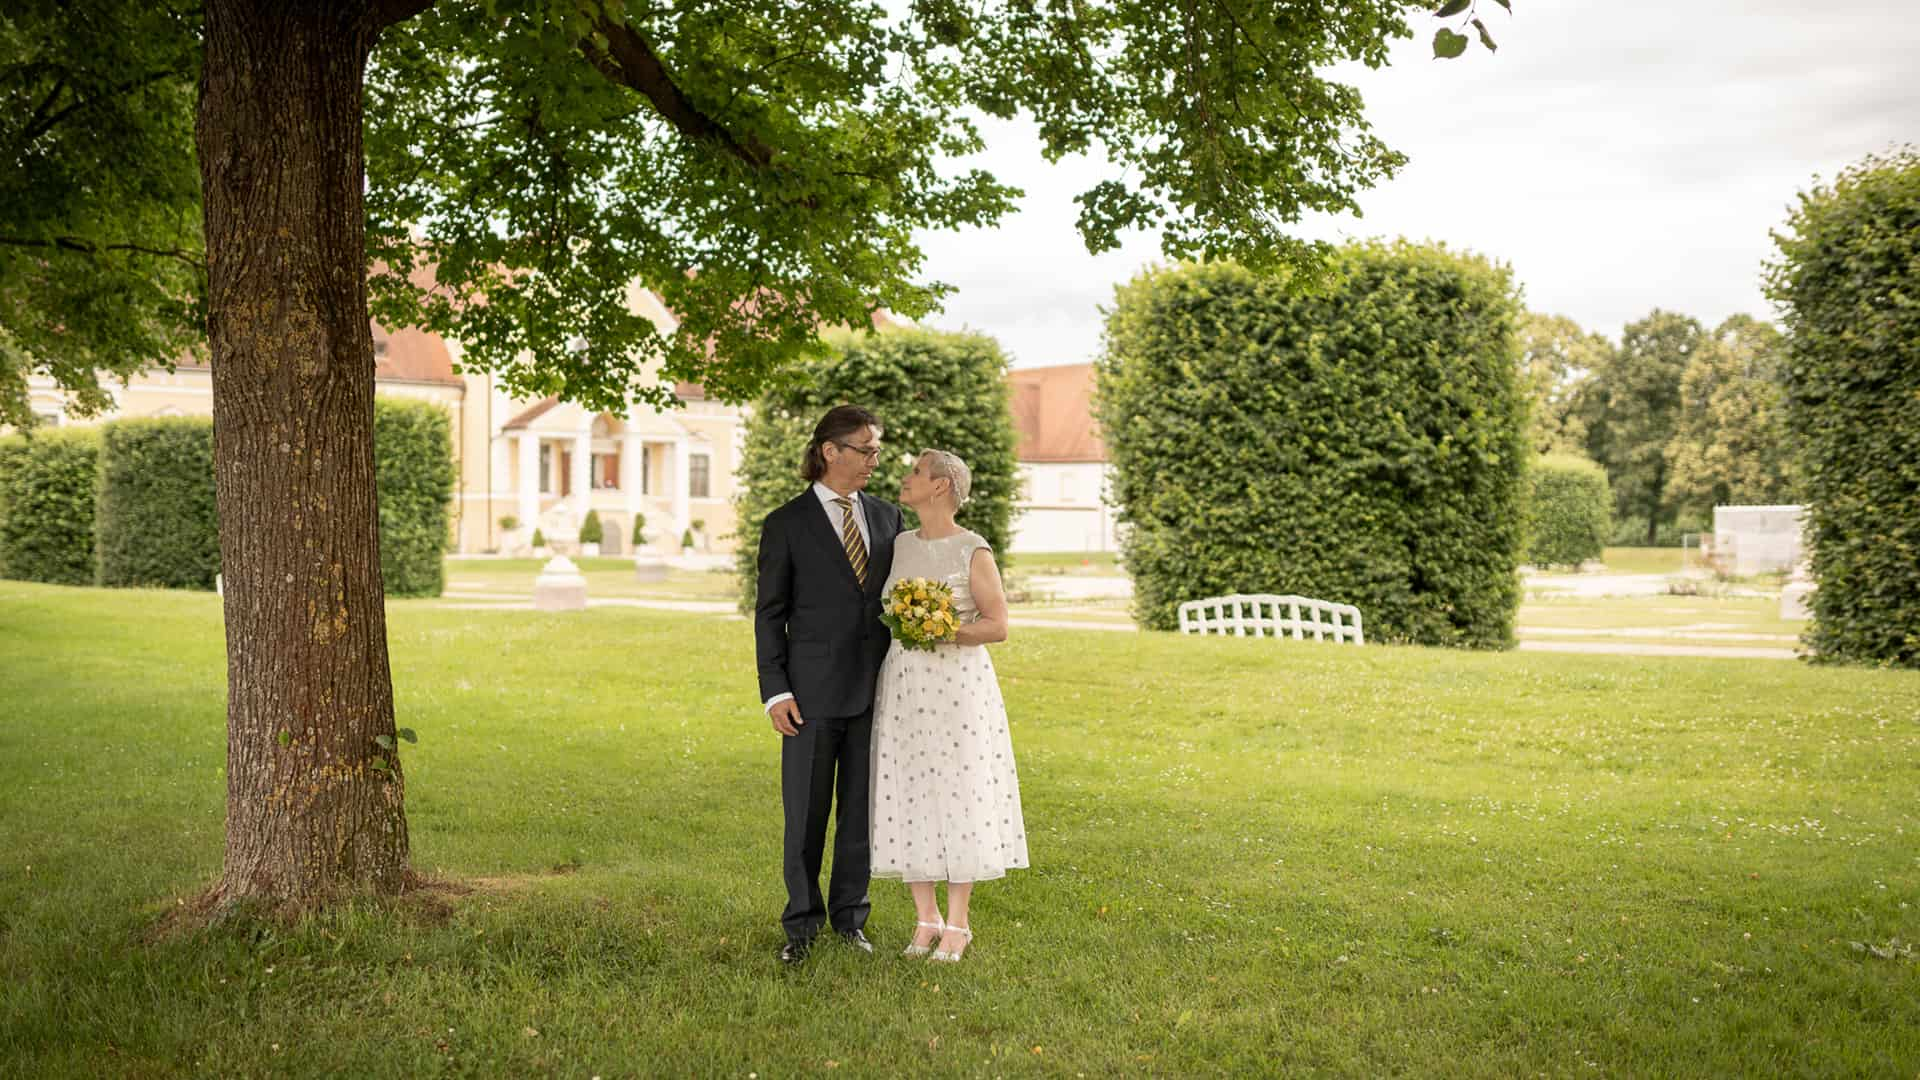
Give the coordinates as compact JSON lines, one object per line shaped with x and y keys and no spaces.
{"x":837,"y":518}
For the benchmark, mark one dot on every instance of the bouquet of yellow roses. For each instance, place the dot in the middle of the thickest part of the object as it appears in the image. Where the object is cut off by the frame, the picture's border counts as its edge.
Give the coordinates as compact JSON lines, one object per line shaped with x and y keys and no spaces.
{"x":920,"y":613}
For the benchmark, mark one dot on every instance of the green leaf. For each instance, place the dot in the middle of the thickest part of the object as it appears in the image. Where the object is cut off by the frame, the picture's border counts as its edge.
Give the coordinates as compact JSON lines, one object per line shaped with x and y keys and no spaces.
{"x":407,"y":734}
{"x":380,"y":763}
{"x":1447,"y":44}
{"x":1452,"y":8}
{"x":1485,"y":38}
{"x":285,"y":738}
{"x":385,"y":741}
{"x":1505,"y":4}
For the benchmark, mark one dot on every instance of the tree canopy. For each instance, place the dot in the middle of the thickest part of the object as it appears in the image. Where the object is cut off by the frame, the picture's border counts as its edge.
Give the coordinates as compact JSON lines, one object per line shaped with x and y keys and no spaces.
{"x":764,"y":169}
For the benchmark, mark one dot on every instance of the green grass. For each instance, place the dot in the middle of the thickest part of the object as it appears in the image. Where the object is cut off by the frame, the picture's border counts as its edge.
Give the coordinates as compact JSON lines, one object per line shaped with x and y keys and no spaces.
{"x":606,"y":577}
{"x":1079,"y":564}
{"x":1643,"y":560}
{"x":1249,"y":857}
{"x":1736,"y":614}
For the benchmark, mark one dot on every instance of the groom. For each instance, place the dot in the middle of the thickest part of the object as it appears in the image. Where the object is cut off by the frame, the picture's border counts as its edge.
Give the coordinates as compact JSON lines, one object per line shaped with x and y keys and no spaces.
{"x":819,"y":642}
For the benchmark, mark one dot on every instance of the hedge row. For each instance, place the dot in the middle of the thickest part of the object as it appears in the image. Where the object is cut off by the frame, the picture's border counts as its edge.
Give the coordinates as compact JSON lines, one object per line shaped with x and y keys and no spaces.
{"x":1846,"y":284}
{"x":142,"y":511}
{"x":1569,"y":508}
{"x":46,"y":506}
{"x":1362,"y":443}
{"x":157,"y":522}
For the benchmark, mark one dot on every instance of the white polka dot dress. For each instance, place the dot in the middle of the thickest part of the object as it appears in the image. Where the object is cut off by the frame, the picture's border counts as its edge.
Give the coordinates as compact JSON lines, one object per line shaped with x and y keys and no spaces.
{"x":946,"y":797}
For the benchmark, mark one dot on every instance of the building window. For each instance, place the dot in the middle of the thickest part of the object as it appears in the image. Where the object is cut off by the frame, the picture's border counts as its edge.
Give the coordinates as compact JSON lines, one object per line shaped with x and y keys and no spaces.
{"x":606,"y":472}
{"x":1066,"y":487}
{"x":47,"y":419}
{"x":646,"y":470}
{"x":546,"y":469}
{"x":699,"y":467}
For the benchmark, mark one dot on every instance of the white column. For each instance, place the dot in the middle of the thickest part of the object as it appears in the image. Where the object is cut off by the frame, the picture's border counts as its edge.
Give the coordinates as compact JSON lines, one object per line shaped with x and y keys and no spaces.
{"x":682,"y":481}
{"x":529,"y":481}
{"x":581,"y":482}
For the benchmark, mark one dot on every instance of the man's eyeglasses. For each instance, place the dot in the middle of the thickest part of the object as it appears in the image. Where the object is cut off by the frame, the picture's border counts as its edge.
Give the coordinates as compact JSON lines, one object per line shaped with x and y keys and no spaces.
{"x":871,"y":453}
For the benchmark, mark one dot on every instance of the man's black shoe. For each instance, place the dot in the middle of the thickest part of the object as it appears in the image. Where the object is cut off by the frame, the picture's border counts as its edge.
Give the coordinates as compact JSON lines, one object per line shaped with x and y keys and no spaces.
{"x":794,"y":952}
{"x":857,"y":939}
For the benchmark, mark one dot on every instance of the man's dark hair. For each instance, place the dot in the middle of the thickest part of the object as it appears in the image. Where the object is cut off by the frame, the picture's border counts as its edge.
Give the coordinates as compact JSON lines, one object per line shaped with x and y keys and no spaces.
{"x":840,"y":422}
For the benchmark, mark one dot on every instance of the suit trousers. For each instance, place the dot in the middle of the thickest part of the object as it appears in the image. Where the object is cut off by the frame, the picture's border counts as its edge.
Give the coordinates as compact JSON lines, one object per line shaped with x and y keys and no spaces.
{"x":828,"y":758}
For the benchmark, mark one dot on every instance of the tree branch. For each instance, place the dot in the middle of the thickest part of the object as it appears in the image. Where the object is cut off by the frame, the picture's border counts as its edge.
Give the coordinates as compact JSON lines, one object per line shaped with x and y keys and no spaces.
{"x":629,"y":60}
{"x":72,"y":243}
{"x":40,"y":125}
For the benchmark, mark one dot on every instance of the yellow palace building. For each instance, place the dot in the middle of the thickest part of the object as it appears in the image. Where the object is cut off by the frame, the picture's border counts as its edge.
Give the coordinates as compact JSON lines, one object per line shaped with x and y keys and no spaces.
{"x":521,"y":464}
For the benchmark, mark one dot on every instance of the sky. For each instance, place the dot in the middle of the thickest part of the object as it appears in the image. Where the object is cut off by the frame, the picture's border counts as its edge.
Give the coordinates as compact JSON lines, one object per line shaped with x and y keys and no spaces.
{"x":1619,"y":155}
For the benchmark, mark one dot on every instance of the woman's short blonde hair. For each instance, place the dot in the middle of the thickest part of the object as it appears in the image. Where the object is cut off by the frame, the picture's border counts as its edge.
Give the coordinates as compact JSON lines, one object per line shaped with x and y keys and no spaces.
{"x":942,"y":465}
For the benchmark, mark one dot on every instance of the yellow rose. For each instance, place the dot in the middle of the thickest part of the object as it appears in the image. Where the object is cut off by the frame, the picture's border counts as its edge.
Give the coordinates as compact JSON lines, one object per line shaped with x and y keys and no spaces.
{"x":931,"y":627}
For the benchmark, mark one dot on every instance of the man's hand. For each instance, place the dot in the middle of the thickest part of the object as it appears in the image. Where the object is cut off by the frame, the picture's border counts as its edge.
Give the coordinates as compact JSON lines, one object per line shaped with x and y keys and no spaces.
{"x":786,"y":717}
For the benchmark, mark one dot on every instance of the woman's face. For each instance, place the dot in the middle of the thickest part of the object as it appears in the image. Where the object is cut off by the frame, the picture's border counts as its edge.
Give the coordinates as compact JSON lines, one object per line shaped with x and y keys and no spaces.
{"x":919,"y":486}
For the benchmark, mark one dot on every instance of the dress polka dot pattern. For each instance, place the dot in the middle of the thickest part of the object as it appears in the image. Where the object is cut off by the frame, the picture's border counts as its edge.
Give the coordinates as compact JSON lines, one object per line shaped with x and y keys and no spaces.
{"x":946,"y":796}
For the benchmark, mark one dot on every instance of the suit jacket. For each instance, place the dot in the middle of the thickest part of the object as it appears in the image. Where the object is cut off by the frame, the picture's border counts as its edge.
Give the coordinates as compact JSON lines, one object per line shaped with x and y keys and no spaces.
{"x":817,"y":633}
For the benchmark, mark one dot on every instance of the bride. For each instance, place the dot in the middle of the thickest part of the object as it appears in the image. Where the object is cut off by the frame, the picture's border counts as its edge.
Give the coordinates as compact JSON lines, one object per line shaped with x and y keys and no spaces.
{"x":946,"y":799}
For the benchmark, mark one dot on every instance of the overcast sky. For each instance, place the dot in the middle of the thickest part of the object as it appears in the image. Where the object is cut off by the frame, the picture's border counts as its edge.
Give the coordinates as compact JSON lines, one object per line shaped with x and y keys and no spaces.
{"x":1620,"y":155}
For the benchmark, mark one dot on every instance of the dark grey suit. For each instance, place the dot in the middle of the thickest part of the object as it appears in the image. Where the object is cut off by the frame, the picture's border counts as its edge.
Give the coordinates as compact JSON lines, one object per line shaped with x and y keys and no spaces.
{"x":818,"y":636}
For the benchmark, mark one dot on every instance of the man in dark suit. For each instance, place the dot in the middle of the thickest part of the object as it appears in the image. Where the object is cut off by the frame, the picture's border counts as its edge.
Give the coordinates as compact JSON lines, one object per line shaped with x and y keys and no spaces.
{"x":819,"y":641}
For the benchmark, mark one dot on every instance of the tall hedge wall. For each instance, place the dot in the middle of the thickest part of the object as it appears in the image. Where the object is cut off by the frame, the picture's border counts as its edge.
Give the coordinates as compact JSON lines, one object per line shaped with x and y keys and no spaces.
{"x":158,"y":519}
{"x":1364,"y":443}
{"x":413,"y":472}
{"x":1847,"y":282}
{"x":155,"y":519}
{"x":46,"y":505}
{"x":1569,"y":510}
{"x":930,"y":389}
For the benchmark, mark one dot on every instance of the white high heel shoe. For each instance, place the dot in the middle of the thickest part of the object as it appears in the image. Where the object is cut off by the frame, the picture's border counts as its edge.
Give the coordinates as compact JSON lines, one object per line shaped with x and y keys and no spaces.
{"x":917,"y":951}
{"x":946,"y":957}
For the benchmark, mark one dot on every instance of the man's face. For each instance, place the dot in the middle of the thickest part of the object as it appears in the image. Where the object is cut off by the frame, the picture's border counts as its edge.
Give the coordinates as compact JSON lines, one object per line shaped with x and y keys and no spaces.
{"x":851,"y":458}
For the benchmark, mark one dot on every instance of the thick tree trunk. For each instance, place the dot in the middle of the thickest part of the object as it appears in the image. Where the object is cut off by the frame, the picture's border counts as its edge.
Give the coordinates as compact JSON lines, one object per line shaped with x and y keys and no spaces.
{"x":314,"y":800}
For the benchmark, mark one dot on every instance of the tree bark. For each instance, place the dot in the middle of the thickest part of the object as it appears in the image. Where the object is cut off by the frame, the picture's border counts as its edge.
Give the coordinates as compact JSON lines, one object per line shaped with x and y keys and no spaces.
{"x":314,"y":800}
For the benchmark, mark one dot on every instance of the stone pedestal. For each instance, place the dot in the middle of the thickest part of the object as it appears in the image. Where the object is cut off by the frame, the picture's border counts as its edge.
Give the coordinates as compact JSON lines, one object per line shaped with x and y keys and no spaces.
{"x":560,"y":587}
{"x":649,"y":566}
{"x":1796,"y":600}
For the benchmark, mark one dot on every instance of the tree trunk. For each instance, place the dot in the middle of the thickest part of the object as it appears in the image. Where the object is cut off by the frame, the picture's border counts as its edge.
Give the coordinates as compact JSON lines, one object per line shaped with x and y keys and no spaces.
{"x":314,"y":801}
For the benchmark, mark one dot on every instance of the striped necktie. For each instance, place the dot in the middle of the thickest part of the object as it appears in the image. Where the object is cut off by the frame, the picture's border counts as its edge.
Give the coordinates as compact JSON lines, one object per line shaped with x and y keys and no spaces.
{"x":850,"y":539}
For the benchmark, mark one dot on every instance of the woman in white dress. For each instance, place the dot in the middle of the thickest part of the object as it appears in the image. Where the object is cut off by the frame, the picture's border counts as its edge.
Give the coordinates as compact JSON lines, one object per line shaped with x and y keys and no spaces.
{"x":946,"y":798}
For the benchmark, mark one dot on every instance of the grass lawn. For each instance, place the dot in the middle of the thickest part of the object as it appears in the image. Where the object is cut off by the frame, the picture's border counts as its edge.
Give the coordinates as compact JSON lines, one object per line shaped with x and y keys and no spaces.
{"x":606,"y":577}
{"x":1076,"y":563}
{"x":1643,"y":560}
{"x":1250,"y":857}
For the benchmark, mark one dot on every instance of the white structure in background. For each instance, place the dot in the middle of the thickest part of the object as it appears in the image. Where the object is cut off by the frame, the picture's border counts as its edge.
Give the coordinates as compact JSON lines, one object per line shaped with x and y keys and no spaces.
{"x":1749,"y":540}
{"x":1062,"y":500}
{"x":1266,"y":615}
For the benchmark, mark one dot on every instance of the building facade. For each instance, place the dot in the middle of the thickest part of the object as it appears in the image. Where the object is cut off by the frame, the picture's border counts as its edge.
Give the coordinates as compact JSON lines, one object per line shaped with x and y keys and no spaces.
{"x":1063,"y":471}
{"x":520,"y":464}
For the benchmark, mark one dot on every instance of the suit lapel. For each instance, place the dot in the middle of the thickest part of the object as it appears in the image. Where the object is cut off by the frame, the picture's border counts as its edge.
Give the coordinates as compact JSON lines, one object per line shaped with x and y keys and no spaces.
{"x":825,"y":531}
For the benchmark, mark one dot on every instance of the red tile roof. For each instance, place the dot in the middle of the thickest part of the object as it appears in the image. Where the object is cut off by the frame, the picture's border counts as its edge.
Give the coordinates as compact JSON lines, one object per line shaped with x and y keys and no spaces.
{"x":1053,"y":414}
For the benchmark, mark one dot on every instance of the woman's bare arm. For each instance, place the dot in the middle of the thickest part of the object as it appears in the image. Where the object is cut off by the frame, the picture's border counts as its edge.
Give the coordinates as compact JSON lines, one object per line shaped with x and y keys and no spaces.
{"x":983,"y":576}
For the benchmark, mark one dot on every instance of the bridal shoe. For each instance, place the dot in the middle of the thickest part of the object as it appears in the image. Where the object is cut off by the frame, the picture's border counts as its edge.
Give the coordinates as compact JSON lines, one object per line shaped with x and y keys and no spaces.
{"x":943,"y":955}
{"x":917,"y":951}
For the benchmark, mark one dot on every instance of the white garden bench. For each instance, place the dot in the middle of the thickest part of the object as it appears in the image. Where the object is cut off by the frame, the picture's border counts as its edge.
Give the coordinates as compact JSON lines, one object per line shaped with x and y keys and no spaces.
{"x":1266,"y":615}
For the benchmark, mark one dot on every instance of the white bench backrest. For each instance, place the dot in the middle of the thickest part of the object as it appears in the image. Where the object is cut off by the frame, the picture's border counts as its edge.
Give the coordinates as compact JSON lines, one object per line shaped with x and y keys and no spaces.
{"x":1267,"y":615}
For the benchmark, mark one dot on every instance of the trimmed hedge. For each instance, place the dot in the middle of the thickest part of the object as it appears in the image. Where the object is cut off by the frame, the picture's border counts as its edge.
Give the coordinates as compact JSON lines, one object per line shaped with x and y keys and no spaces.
{"x":413,"y":473}
{"x":1846,"y":283}
{"x":930,"y":389}
{"x":1569,"y":511}
{"x":1363,"y":443}
{"x":46,"y":505}
{"x":156,"y":521}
